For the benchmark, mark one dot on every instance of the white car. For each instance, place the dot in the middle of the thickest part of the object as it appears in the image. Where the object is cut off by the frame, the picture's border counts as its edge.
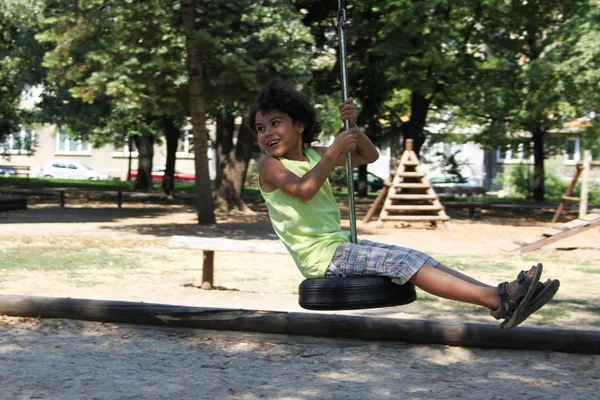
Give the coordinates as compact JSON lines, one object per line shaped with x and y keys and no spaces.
{"x":66,"y":169}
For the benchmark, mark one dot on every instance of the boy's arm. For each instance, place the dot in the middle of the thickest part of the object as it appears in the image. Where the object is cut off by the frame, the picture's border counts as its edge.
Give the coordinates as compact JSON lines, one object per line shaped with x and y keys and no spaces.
{"x":365,"y":152}
{"x":273,"y":174}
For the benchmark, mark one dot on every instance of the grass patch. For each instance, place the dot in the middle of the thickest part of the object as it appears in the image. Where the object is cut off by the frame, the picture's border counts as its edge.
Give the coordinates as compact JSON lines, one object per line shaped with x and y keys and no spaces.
{"x":476,"y":263}
{"x":589,"y":270}
{"x":47,"y":183}
{"x":59,"y":258}
{"x":550,"y":315}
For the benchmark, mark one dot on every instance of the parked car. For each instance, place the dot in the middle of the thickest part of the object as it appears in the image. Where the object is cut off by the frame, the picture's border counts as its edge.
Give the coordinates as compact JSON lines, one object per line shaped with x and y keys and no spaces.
{"x":66,"y":169}
{"x":158,"y":171}
{"x":454,"y":184}
{"x":8,"y":171}
{"x":375,"y":183}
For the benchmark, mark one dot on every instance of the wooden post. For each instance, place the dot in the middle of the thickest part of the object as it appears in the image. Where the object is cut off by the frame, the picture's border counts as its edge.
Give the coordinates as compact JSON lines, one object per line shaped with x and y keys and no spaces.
{"x":567,"y":195}
{"x":62,"y":198}
{"x":584,"y":184}
{"x":120,"y":198}
{"x":377,"y":204}
{"x":208,"y":268}
{"x":408,"y":145}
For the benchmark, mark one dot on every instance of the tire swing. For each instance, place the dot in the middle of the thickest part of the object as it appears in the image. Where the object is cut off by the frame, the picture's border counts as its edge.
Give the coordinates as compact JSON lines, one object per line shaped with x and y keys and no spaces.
{"x":356,"y":292}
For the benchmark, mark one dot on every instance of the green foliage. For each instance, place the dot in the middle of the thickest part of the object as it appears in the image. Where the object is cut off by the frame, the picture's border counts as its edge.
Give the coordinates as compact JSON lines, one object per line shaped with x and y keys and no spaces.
{"x":20,"y":60}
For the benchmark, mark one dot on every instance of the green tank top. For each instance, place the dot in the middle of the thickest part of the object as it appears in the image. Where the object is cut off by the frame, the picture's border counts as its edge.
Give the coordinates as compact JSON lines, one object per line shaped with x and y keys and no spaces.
{"x":311,"y":229}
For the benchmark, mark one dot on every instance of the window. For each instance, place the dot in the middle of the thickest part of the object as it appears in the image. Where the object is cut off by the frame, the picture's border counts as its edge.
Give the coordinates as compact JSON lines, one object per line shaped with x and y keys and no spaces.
{"x":185,"y":148}
{"x":66,"y":144}
{"x":129,"y":149}
{"x":573,"y":150}
{"x":21,"y":142}
{"x":515,"y":153}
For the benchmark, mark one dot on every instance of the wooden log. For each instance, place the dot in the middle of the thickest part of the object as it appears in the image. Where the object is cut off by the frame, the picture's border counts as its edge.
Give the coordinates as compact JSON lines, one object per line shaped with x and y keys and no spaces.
{"x":377,"y":204}
{"x":569,"y":198}
{"x":306,"y":324}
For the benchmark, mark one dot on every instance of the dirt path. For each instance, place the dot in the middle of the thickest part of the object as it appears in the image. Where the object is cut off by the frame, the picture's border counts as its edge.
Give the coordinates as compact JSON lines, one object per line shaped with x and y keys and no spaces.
{"x":56,"y":359}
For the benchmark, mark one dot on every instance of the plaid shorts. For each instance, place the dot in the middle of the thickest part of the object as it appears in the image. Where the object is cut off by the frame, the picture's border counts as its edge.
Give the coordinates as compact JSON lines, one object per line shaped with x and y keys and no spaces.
{"x":377,"y":259}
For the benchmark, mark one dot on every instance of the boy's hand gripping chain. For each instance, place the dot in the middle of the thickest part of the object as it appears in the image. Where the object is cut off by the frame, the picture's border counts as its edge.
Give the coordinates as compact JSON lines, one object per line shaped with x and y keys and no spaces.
{"x":341,"y":24}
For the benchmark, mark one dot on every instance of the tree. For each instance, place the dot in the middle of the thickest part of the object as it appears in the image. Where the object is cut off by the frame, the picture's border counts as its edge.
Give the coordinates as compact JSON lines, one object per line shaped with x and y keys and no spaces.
{"x":195,"y":64}
{"x":128,"y":58}
{"x":20,"y":60}
{"x":243,"y":51}
{"x":519,"y":86}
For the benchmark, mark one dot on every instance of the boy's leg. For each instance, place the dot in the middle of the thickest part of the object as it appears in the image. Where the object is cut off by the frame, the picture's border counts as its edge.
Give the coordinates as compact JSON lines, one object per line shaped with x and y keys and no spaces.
{"x":447,"y":285}
{"x":460,"y":275}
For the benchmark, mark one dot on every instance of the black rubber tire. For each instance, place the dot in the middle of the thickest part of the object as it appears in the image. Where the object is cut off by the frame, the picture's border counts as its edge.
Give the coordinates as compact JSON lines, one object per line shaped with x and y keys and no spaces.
{"x":354,"y":293}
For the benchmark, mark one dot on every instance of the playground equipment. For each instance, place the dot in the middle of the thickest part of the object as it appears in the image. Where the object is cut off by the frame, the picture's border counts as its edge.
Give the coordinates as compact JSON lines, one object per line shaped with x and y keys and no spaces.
{"x":585,"y":221}
{"x":410,"y":197}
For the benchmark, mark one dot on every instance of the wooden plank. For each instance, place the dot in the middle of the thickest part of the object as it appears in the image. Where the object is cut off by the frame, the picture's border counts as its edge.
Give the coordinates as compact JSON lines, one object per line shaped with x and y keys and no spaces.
{"x":412,"y":197}
{"x":575,"y":223}
{"x":553,"y":232}
{"x":594,"y":211}
{"x":415,"y":218}
{"x":560,"y":236}
{"x":411,"y":186}
{"x":414,"y":208}
{"x":590,"y":217}
{"x":223,"y":244}
{"x":526,"y":242}
{"x":409,"y":174}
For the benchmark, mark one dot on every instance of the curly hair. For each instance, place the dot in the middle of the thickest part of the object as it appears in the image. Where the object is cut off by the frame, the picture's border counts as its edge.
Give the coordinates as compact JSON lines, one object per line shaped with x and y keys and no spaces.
{"x":283,"y":97}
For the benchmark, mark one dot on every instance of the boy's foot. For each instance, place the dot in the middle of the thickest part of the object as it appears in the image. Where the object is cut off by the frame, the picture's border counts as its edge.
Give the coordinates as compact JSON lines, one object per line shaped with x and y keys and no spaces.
{"x":514,"y":297}
{"x":544,"y":292}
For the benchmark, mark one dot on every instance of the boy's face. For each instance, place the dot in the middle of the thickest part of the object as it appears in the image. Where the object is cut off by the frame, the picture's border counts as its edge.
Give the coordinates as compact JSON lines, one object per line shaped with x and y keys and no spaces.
{"x":278,"y":134}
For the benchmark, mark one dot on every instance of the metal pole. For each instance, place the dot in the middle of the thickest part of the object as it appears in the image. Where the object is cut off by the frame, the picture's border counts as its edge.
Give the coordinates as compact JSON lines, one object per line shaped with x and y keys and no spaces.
{"x":341,"y":16}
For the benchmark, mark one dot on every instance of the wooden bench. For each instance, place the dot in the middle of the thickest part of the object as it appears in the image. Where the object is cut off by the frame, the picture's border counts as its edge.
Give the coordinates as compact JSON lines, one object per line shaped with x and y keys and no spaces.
{"x":474,"y":208}
{"x":12,"y":203}
{"x":15,"y":170}
{"x":62,"y":193}
{"x":210,"y":245}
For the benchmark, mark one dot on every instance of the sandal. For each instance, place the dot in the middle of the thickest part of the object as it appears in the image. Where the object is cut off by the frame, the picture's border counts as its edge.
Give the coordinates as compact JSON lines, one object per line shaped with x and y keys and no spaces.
{"x":512,"y":304}
{"x":543,"y":293}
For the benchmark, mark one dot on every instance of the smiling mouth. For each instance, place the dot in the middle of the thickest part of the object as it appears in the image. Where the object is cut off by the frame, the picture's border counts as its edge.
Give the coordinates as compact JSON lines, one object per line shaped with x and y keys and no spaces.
{"x":272,"y":143}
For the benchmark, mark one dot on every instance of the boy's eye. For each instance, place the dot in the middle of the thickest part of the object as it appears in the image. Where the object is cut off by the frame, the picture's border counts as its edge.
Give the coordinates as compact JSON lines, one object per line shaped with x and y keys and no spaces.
{"x":275,"y":123}
{"x":259,"y":128}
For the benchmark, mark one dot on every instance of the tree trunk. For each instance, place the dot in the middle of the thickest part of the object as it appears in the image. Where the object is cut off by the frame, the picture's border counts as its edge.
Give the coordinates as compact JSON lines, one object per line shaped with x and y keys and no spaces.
{"x":172,"y":134}
{"x":539,"y":189}
{"x":363,"y":186}
{"x":204,"y":202}
{"x":414,"y":128}
{"x":232,"y":162}
{"x":145,"y":147}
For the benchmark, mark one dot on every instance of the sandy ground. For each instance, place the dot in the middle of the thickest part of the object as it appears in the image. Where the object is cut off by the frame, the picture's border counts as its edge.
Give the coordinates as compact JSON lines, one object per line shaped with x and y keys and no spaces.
{"x":66,"y":359}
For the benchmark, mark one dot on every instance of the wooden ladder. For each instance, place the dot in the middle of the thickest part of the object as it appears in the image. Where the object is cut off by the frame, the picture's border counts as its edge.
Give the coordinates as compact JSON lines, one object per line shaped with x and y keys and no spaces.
{"x":410,"y":196}
{"x":583,"y":169}
{"x":559,"y":232}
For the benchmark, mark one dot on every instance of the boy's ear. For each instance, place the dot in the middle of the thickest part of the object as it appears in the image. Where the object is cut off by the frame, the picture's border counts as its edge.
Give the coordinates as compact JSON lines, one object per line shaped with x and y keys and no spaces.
{"x":300,"y":126}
